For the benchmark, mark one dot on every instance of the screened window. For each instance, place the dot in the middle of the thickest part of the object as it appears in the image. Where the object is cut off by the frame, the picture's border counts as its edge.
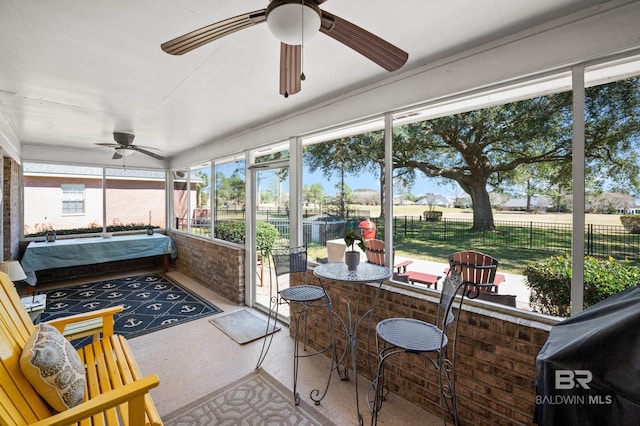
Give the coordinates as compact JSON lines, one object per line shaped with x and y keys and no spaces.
{"x":61,"y":197}
{"x":135,"y":199}
{"x":180,"y":197}
{"x":70,"y":199}
{"x":229,"y":196}
{"x":200,"y":199}
{"x":342,"y":184}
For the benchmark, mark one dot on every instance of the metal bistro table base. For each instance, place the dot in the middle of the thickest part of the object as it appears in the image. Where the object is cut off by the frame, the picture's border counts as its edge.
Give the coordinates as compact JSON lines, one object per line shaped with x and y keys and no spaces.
{"x":366,"y":273}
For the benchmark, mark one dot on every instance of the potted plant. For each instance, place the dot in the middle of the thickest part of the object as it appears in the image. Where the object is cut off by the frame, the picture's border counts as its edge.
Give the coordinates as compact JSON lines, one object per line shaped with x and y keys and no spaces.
{"x":352,"y":256}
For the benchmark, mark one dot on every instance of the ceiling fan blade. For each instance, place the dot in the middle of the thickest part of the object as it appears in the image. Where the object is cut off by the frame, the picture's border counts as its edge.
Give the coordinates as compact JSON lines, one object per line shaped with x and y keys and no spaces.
{"x":362,"y":41}
{"x":108,"y":145}
{"x":290,"y":69}
{"x":116,"y":156}
{"x":152,"y":148}
{"x":194,"y":39}
{"x":149,"y":153}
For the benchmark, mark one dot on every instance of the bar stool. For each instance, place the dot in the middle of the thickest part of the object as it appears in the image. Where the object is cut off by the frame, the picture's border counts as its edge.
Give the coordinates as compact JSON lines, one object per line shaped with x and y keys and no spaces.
{"x":407,"y":335}
{"x":300,"y":299}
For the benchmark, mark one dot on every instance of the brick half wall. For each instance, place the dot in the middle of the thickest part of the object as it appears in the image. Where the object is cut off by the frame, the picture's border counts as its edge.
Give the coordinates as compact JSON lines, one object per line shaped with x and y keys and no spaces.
{"x":496,"y":354}
{"x":218,"y":266}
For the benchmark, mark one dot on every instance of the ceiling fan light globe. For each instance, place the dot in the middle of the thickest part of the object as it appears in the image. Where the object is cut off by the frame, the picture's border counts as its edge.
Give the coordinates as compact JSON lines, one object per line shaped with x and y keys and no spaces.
{"x":124,"y":151}
{"x":293,"y":23}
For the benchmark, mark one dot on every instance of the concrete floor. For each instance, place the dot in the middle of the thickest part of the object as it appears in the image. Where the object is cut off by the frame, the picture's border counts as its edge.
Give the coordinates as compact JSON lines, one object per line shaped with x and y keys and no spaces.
{"x":196,"y":358}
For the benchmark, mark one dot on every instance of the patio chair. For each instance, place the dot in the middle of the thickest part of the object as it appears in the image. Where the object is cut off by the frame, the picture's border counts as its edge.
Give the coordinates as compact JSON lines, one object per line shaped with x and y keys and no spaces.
{"x":300,"y":298}
{"x":44,"y":380}
{"x":435,"y":342}
{"x":477,"y":268}
{"x":374,"y":249}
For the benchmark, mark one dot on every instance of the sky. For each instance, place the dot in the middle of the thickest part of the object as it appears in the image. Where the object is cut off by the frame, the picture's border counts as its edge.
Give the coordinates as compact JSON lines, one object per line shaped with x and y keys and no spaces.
{"x":422,"y":185}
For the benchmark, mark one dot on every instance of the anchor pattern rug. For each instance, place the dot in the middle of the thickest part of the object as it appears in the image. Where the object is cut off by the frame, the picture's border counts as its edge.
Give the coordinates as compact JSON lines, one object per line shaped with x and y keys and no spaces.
{"x":151,"y":302}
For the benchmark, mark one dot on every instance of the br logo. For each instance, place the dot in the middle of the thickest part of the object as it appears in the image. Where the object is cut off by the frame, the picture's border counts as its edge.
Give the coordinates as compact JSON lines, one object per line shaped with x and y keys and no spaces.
{"x":569,"y":379}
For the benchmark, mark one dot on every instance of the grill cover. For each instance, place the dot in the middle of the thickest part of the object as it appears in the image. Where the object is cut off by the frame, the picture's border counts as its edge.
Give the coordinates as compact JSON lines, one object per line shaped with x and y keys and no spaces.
{"x":588,"y":371}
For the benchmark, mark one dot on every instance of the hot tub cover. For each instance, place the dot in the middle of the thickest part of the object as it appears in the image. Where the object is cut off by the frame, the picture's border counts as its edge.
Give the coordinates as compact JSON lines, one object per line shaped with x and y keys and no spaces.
{"x":588,"y":371}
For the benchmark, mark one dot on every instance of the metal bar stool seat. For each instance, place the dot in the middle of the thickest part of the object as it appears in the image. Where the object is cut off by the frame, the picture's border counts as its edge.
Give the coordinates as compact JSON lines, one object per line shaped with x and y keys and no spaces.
{"x":303,"y":294}
{"x":300,"y":299}
{"x":412,"y":336}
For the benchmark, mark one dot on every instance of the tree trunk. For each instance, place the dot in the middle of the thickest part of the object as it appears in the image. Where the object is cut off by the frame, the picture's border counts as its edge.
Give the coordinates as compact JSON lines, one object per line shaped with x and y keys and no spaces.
{"x":482,"y":212}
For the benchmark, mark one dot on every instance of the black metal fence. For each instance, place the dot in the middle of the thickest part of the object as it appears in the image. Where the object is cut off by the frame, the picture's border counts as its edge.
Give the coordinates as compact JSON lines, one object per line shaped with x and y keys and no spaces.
{"x":600,"y":240}
{"x":614,"y":241}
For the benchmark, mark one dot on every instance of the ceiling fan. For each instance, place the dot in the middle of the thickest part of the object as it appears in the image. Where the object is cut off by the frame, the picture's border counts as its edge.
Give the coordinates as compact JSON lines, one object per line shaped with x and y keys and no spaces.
{"x":124,"y":146}
{"x":293,"y":22}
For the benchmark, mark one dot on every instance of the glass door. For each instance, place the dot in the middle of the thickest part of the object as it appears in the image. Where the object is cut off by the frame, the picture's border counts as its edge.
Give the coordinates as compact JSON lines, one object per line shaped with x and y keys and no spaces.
{"x":271,"y":185}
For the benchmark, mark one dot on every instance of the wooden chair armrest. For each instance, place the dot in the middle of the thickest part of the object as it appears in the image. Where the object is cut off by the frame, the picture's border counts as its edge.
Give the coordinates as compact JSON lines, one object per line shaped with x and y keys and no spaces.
{"x":132,"y":392}
{"x":105,"y":314}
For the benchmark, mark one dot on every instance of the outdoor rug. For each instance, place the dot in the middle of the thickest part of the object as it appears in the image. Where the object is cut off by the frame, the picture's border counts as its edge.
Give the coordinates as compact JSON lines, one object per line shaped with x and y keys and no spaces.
{"x":243,"y":325}
{"x":151,"y":302}
{"x":255,"y":399}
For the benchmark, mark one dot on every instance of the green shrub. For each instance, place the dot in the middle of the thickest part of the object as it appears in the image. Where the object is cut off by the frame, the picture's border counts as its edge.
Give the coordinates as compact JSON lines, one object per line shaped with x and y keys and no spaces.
{"x":266,"y":233}
{"x":631,"y":222}
{"x":266,"y":236}
{"x":550,"y":282}
{"x":230,"y":231}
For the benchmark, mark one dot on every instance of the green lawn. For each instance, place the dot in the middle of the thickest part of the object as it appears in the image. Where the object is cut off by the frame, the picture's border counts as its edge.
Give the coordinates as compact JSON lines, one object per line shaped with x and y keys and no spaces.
{"x":453,"y":213}
{"x":499,"y":244}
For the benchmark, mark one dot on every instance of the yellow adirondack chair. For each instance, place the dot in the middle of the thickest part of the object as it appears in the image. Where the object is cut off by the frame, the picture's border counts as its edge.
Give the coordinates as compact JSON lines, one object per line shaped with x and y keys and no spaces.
{"x":116,"y":392}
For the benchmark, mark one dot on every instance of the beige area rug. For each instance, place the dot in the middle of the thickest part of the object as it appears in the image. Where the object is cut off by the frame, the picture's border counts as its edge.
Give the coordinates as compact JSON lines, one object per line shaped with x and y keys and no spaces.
{"x":255,"y":399}
{"x":243,"y":325}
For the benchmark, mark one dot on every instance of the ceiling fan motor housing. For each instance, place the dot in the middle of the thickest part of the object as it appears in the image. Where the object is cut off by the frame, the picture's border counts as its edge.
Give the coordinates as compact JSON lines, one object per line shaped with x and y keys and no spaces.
{"x":123,"y":138}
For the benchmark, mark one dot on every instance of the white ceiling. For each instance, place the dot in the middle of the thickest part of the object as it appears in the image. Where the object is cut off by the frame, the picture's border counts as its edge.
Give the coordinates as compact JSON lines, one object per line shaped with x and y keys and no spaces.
{"x":73,"y":72}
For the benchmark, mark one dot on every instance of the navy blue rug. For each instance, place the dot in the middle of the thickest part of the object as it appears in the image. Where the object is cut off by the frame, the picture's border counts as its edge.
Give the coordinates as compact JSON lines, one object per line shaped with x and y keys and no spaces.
{"x":151,"y":302}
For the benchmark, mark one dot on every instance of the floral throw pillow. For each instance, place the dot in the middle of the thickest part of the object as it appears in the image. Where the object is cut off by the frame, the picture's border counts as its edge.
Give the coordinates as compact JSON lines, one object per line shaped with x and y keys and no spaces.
{"x":53,"y":368}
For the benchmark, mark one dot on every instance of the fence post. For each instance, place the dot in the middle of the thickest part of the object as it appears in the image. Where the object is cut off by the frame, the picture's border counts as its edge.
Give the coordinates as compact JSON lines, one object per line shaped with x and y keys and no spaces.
{"x":444,"y":228}
{"x":530,"y":235}
{"x":484,"y":229}
{"x":394,"y":219}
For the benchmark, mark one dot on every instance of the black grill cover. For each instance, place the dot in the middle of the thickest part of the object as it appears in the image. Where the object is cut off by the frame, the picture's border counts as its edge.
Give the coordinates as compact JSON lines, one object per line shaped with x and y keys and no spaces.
{"x":604,"y":341}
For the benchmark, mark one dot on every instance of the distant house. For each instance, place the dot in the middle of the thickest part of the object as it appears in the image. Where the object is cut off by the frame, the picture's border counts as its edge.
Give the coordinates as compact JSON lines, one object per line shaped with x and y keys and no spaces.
{"x":401,"y":200}
{"x":433,"y":200}
{"x":520,"y":204}
{"x":634,"y":209}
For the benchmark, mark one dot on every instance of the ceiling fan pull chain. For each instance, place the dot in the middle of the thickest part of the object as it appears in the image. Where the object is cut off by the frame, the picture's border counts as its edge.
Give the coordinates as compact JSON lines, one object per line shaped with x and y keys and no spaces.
{"x":302,"y":76}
